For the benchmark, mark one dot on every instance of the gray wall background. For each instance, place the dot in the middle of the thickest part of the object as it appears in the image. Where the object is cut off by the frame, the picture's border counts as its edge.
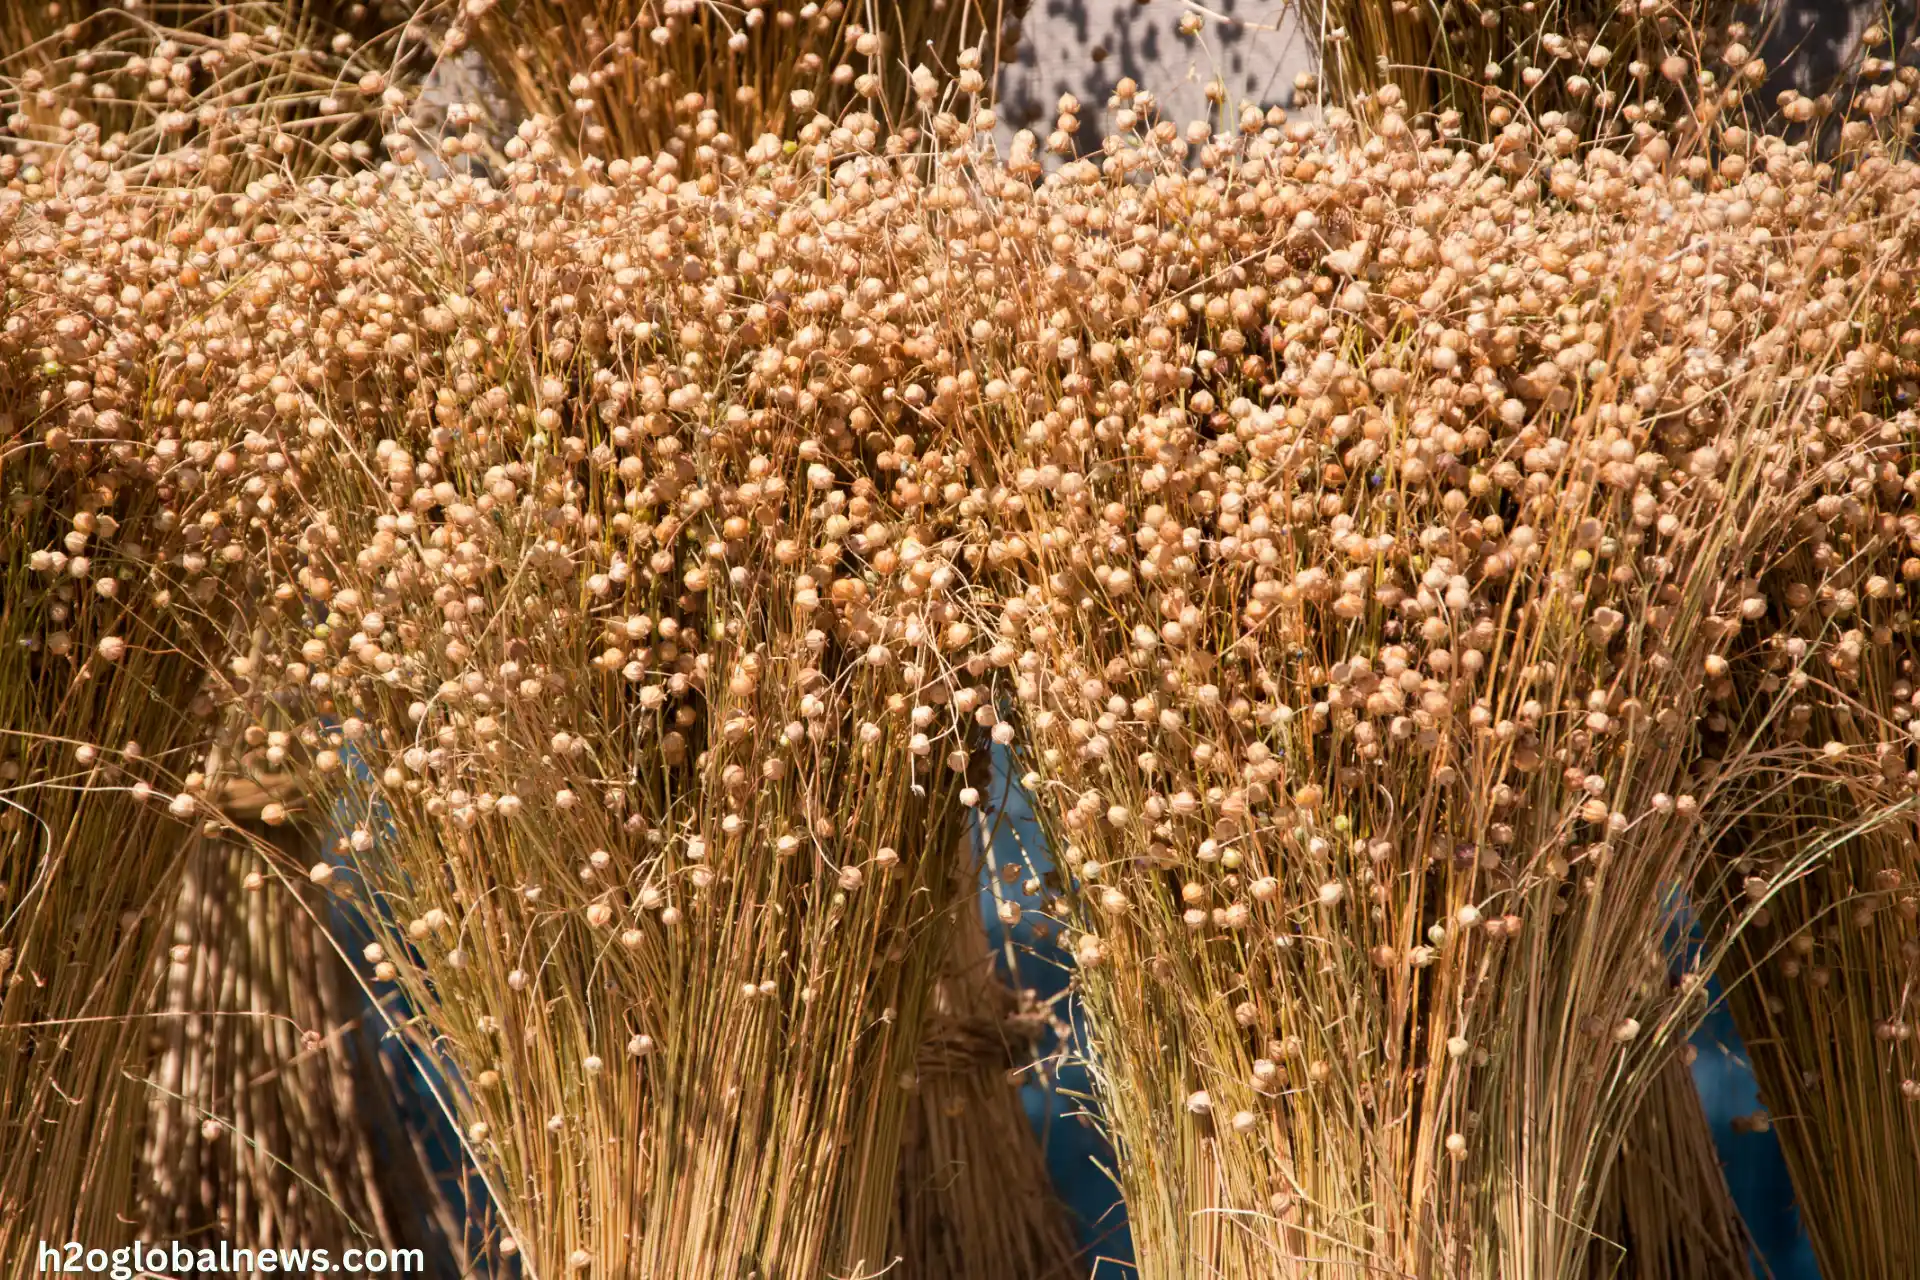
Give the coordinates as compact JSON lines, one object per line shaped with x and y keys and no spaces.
{"x":1084,"y":47}
{"x":1257,"y":46}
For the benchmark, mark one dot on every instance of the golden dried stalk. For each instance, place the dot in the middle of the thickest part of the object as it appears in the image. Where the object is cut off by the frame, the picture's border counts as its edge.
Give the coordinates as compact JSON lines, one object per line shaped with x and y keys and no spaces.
{"x":1379,"y":725}
{"x":975,"y":1199}
{"x":652,"y":74}
{"x":271,"y":1121}
{"x":1667,"y":1213}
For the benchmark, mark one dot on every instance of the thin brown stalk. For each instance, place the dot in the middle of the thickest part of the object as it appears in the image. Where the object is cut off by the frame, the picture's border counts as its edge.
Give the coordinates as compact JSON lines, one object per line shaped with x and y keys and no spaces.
{"x":271,"y":1120}
{"x":1667,"y":1213}
{"x":975,"y":1199}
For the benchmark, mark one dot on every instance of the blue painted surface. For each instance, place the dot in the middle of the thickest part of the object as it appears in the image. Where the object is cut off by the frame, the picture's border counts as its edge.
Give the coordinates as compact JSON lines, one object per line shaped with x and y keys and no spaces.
{"x":1076,"y":1150}
{"x":1756,"y":1169}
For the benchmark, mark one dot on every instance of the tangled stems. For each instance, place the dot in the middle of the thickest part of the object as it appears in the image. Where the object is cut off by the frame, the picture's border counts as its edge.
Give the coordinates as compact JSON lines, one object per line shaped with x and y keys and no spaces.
{"x":1364,"y":536}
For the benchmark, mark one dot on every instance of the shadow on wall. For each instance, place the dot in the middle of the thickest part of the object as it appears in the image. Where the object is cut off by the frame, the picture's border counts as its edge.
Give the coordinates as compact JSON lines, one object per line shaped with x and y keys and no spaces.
{"x":1813,"y":43}
{"x":1256,"y":47}
{"x":1084,"y":47}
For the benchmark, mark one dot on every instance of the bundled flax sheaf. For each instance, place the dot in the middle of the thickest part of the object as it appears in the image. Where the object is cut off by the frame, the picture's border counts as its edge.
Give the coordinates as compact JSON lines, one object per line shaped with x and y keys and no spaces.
{"x":1667,"y":1213}
{"x":129,"y":536}
{"x":1379,"y":696}
{"x":271,"y":1119}
{"x":1586,"y":65}
{"x":634,"y":77}
{"x":665,"y":891}
{"x":752,"y":947}
{"x":120,"y":579}
{"x":1824,"y":988}
{"x":194,"y":94}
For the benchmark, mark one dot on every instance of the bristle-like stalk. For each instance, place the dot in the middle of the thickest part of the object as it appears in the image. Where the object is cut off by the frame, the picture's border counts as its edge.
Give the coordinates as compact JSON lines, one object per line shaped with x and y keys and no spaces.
{"x":1667,"y":1213}
{"x":271,"y":1111}
{"x":975,"y":1197}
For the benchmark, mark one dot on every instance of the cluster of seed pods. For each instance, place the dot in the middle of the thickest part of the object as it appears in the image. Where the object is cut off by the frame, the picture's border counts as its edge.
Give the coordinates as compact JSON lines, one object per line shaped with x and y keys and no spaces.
{"x":1392,"y":557}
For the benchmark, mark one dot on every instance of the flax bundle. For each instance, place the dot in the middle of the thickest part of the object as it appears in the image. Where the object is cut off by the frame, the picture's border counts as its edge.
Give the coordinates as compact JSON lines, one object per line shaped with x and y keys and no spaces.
{"x":635,"y":77}
{"x":271,"y":1120}
{"x":1667,"y":1213}
{"x":127,"y":556}
{"x":1591,"y":68}
{"x":975,"y":1198}
{"x":1379,"y":534}
{"x":1823,"y":989}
